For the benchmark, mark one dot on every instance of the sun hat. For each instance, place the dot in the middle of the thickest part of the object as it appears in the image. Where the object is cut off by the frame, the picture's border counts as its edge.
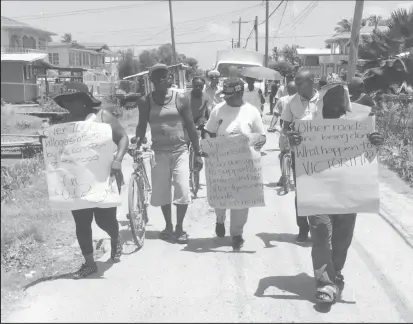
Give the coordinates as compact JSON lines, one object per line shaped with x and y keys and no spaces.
{"x":231,"y":87}
{"x":73,"y":90}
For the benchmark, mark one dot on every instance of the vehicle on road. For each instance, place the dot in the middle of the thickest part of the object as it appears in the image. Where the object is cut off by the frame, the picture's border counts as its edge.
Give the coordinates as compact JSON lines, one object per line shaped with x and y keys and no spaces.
{"x":138,"y":194}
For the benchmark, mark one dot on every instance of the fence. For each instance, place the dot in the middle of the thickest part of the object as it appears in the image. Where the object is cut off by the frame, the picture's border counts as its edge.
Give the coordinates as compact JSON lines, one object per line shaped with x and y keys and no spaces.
{"x":97,"y":88}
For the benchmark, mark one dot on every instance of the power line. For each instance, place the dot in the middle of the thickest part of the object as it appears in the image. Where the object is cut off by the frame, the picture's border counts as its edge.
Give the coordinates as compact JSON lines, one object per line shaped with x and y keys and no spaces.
{"x":282,"y":16}
{"x":210,"y":41}
{"x":272,"y":12}
{"x":77,"y":12}
{"x":215,"y":18}
{"x":303,"y":14}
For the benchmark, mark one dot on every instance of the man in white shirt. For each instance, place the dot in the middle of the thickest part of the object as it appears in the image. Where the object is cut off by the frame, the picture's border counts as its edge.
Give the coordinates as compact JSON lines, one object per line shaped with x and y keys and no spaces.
{"x":253,"y":95}
{"x":302,"y":104}
{"x":234,"y":117}
{"x":213,"y":89}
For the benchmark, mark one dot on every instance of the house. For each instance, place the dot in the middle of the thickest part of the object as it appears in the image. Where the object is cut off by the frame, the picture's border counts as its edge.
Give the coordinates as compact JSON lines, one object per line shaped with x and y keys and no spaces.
{"x":23,"y":51}
{"x":96,"y":58}
{"x":333,"y":59}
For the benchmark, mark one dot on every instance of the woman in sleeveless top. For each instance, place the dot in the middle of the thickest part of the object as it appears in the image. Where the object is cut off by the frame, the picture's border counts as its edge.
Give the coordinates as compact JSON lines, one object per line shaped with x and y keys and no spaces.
{"x":81,"y":104}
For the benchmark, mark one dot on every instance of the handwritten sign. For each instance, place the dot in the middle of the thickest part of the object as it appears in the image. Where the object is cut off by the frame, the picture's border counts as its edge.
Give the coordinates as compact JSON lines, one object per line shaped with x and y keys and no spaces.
{"x":233,"y":172}
{"x":78,"y":158}
{"x":336,"y":167}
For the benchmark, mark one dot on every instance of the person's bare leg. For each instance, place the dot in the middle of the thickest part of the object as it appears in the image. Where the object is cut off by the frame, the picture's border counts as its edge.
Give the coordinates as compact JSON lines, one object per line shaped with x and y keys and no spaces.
{"x":181,"y":235}
{"x":167,"y":214}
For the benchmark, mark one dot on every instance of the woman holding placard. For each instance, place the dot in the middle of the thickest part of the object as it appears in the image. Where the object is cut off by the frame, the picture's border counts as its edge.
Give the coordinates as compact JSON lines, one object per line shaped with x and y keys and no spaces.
{"x":331,"y":234}
{"x":81,"y":105}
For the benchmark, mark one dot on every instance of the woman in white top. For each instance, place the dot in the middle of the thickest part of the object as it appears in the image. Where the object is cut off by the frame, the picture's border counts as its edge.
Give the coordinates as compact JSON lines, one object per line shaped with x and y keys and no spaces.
{"x":234,"y":117}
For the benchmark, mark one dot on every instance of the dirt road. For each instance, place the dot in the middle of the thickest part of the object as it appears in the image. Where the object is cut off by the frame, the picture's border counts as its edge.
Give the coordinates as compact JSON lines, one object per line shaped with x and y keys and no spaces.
{"x":270,"y":280}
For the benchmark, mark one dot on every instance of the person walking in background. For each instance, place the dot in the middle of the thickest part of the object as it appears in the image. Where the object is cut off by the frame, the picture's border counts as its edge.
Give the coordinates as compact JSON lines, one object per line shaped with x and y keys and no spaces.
{"x":331,"y":234}
{"x":303,"y":103}
{"x":76,"y":98}
{"x":169,"y":128}
{"x":213,"y":89}
{"x":253,"y":95}
{"x":273,"y":99}
{"x":233,"y":117}
{"x":282,"y":90}
{"x":279,"y":108}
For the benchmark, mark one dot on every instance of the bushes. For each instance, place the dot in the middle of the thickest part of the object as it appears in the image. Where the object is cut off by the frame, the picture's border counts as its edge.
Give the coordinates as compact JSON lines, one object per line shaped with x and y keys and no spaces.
{"x":395,"y":122}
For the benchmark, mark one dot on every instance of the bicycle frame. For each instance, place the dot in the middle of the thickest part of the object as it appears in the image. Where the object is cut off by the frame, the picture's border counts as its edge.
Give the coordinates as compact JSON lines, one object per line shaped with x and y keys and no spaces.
{"x":139,"y":166}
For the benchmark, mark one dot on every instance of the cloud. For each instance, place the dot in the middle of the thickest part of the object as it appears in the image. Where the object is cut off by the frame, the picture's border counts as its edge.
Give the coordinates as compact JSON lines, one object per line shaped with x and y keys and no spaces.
{"x":219,"y":29}
{"x":405,"y":5}
{"x":375,"y":10}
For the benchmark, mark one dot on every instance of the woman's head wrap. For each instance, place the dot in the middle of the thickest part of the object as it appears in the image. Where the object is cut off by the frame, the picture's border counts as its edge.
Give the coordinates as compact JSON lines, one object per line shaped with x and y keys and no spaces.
{"x":333,"y":80}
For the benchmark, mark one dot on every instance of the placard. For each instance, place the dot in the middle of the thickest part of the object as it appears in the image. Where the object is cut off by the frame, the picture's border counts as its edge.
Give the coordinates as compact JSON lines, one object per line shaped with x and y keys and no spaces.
{"x":78,"y":158}
{"x":336,"y":167}
{"x":233,"y":172}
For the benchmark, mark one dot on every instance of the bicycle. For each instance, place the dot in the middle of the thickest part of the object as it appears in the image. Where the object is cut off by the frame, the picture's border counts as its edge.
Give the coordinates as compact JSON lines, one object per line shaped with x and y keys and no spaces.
{"x":286,"y":162}
{"x":138,"y":194}
{"x":193,"y":170}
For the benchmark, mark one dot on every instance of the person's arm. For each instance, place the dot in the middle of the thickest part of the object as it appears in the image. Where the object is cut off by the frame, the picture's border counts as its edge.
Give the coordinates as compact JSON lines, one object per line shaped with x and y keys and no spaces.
{"x":257,"y":127}
{"x":188,"y":120}
{"x":118,"y":134}
{"x":143,"y":120}
{"x":211,"y":125}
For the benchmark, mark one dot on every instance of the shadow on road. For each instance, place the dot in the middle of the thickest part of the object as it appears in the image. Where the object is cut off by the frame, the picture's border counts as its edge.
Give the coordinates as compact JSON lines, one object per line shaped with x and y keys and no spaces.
{"x":210,"y":244}
{"x":301,"y":286}
{"x":102,"y":268}
{"x":267,"y":238}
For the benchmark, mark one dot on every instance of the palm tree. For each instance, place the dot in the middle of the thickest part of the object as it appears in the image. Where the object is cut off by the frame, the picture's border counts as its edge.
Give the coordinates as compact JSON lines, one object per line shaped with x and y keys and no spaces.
{"x":67,"y":38}
{"x":344,"y":25}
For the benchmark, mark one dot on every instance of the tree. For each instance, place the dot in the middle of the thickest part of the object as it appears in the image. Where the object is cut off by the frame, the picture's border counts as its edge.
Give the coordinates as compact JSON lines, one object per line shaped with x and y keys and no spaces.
{"x":281,"y":66}
{"x":128,"y":65}
{"x":67,"y":38}
{"x":289,"y":53}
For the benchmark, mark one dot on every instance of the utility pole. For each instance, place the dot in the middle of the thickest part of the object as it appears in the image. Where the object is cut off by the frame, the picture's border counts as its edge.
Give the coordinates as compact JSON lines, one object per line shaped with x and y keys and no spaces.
{"x":172,"y":32}
{"x":267,"y":9}
{"x":354,"y":41}
{"x":256,"y":33}
{"x":232,"y":43}
{"x":239,"y":22}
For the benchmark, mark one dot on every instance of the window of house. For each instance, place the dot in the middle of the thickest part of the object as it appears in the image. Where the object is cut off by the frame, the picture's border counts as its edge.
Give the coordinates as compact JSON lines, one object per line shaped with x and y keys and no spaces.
{"x":71,"y":58}
{"x":54,"y":58}
{"x":28,"y":72}
{"x":42,"y":44}
{"x":14,"y":41}
{"x":78,"y":59}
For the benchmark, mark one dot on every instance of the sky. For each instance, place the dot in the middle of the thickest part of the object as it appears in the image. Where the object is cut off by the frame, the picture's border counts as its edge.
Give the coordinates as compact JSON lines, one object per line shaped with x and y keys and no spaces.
{"x":201,"y":27}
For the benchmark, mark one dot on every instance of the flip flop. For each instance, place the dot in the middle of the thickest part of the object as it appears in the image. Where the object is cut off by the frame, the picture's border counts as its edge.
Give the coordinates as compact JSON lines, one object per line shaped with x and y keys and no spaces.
{"x":326,"y":294}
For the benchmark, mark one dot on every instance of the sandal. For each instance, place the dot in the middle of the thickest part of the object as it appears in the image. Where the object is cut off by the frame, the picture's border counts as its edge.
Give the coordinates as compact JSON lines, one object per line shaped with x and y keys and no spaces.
{"x":181,"y":236}
{"x":326,"y":294}
{"x":84,"y":271}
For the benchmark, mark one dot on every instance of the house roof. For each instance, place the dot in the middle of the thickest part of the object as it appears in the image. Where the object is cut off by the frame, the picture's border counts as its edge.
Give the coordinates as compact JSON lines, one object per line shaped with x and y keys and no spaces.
{"x":22,"y":57}
{"x":92,"y":45}
{"x":313,"y":51}
{"x":11,"y":23}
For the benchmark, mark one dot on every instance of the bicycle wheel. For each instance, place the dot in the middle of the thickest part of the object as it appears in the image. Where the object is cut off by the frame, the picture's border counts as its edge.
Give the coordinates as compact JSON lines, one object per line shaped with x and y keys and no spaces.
{"x":286,"y":172}
{"x":137,"y":210}
{"x":192,"y":172}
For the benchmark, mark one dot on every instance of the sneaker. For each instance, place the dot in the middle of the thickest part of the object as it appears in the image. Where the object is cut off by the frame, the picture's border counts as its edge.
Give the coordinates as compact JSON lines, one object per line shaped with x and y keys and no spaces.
{"x":302,"y":238}
{"x":237,"y":242}
{"x":220,"y":229}
{"x":116,"y":251}
{"x":85,"y":270}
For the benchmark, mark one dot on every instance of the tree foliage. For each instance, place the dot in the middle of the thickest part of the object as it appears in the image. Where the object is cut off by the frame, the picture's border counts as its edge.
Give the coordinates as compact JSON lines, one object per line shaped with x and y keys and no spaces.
{"x":282,"y":66}
{"x":287,"y":53}
{"x":147,"y":58}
